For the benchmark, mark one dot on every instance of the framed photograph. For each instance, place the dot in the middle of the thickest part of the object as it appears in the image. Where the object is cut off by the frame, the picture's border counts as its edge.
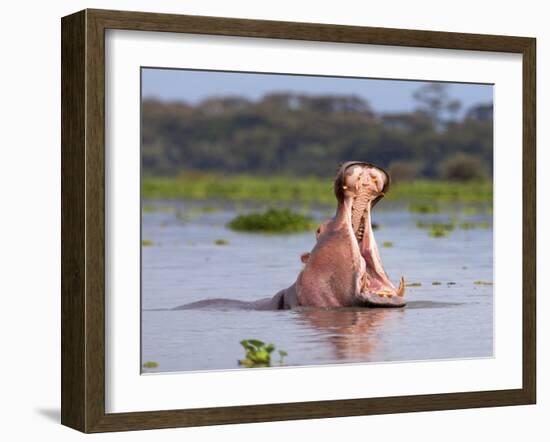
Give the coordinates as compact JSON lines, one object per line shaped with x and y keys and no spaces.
{"x":269,"y":220}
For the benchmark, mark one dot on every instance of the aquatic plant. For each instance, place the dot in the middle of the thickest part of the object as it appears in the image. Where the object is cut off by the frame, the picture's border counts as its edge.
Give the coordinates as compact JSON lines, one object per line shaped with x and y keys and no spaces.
{"x":437,"y":230}
{"x":446,"y":226}
{"x":468,"y":225}
{"x":282,"y":355}
{"x":423,"y":208}
{"x":414,"y":284}
{"x":258,"y":353}
{"x":209,"y":209}
{"x":436,"y":283}
{"x":147,"y":243}
{"x":150,"y":364}
{"x":387,"y":244}
{"x":479,"y":282}
{"x":221,"y":242}
{"x":273,"y":221}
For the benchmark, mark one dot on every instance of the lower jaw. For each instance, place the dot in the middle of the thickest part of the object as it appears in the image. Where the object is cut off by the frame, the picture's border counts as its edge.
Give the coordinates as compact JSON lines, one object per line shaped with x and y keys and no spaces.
{"x":375,"y":300}
{"x":381,"y":292}
{"x":377,"y":290}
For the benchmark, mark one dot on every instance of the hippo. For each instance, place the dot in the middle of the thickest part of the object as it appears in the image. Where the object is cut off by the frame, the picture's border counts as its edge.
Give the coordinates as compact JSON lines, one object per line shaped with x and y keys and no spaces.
{"x":344,"y":268}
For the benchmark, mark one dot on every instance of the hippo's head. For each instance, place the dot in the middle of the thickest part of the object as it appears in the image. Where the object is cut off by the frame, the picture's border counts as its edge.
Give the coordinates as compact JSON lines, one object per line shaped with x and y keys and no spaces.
{"x":351,"y":173}
{"x":358,"y":188}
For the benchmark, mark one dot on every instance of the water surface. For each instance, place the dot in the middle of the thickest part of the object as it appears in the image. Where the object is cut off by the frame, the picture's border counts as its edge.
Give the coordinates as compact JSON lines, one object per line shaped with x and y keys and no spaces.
{"x":451,"y":320}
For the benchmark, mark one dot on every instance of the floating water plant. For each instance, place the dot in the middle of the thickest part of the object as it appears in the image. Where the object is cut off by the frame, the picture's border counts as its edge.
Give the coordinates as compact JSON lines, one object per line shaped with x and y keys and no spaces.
{"x":414,"y":284}
{"x":479,"y":282}
{"x":150,"y":364}
{"x":273,"y":221}
{"x":387,"y":244}
{"x":258,"y":353}
{"x":147,"y":243}
{"x":423,"y":208}
{"x":467,"y":225}
{"x":221,"y":242}
{"x":446,"y":226}
{"x":210,"y":209}
{"x":436,"y":283}
{"x":441,"y":230}
{"x":438,"y":231}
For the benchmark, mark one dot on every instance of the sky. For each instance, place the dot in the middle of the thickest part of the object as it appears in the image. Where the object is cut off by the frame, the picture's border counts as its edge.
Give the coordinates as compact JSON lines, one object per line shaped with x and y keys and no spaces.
{"x":383,"y":95}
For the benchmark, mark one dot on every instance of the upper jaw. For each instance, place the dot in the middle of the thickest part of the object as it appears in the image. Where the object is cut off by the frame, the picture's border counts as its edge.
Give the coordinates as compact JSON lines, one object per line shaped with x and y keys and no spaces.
{"x":362,"y":185}
{"x":343,"y":171}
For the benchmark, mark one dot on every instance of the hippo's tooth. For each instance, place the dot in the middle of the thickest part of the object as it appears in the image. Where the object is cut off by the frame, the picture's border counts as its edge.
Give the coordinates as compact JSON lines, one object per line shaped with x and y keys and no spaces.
{"x":345,"y":187}
{"x":401,"y":289}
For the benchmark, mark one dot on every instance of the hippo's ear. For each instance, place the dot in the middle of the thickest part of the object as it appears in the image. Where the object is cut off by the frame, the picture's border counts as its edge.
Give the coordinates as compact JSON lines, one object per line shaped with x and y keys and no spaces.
{"x":339,"y":182}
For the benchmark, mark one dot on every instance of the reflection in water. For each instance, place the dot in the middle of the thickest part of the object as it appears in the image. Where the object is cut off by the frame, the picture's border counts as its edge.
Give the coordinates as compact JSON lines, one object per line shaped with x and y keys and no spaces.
{"x":352,"y":333}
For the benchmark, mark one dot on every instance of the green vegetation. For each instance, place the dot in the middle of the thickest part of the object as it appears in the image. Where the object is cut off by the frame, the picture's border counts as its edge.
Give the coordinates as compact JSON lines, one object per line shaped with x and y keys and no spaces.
{"x":436,"y":283}
{"x":273,"y":221}
{"x":147,"y":243}
{"x":209,"y":209}
{"x":423,"y":208}
{"x":221,"y":242}
{"x":462,"y":167}
{"x":442,"y":230}
{"x":437,"y":230}
{"x":443,"y":191}
{"x":150,"y":364}
{"x":295,"y":134}
{"x":479,"y":282}
{"x":467,"y":225}
{"x":387,"y":244}
{"x":414,"y":284}
{"x":470,"y":210}
{"x":306,"y":190}
{"x":258,"y":353}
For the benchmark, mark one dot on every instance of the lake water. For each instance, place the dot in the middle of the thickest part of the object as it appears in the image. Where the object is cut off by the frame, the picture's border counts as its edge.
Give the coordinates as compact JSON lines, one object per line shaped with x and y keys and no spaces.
{"x":450,"y":320}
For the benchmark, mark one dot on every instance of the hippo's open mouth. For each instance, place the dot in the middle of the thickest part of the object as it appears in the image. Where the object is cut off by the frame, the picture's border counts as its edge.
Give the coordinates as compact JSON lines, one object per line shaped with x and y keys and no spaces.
{"x":360,"y":186}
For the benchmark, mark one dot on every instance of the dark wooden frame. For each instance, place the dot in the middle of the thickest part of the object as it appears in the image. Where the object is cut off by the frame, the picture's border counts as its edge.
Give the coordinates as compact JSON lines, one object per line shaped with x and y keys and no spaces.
{"x":83,"y":220}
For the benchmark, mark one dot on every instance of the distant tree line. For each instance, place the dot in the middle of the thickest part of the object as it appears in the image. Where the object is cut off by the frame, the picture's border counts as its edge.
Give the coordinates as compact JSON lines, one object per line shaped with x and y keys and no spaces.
{"x":294,"y":134}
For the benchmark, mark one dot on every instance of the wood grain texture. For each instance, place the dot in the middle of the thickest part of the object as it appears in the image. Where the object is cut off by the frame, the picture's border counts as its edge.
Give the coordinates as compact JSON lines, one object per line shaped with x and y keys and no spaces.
{"x":83,"y":220}
{"x":73,"y":255}
{"x":529,"y":221}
